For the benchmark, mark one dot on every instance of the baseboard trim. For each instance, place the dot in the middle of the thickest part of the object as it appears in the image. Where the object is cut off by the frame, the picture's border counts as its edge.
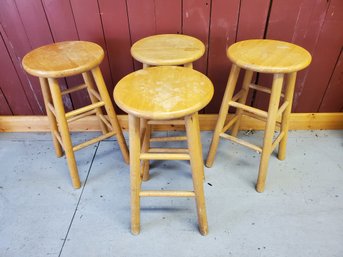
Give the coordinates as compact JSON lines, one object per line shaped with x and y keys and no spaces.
{"x":298,"y":121}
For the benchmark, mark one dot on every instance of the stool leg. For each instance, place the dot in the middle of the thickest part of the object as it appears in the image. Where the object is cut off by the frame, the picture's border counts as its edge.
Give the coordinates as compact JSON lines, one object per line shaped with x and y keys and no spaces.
{"x":52,"y":119}
{"x":247,"y":80}
{"x":269,"y":132}
{"x":188,"y":65}
{"x":145,"y":136}
{"x":230,"y":87}
{"x":291,"y":77}
{"x":194,"y":145}
{"x":90,"y":85}
{"x":135,"y":177}
{"x":64,"y":129}
{"x":99,"y":80}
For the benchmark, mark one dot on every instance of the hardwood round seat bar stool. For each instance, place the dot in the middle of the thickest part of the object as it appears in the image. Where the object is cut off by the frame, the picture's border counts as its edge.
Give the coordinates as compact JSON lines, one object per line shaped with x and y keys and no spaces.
{"x":165,"y":93}
{"x":162,"y":50}
{"x":65,"y":59}
{"x":282,"y":60}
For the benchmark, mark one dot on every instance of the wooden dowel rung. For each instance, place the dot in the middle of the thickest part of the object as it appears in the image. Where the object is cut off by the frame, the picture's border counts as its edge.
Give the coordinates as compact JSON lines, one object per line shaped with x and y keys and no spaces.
{"x":262,"y":89}
{"x":168,"y":150}
{"x":282,"y":108}
{"x":259,"y":118}
{"x":77,"y":117}
{"x":94,"y":140}
{"x":277,"y":141}
{"x":52,"y":109}
{"x":230,"y":123}
{"x":169,"y":122}
{"x":58,"y":136}
{"x":73,"y":89}
{"x":164,"y":156}
{"x":94,"y":93}
{"x":168,"y":139}
{"x":237,"y":96}
{"x":155,"y":193}
{"x":242,"y":142}
{"x":249,"y":109}
{"x":84,"y":109}
{"x":104,"y":119}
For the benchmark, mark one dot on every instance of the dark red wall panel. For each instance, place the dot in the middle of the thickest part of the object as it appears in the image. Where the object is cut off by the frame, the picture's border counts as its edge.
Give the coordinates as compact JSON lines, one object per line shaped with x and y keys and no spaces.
{"x":223,"y":30}
{"x":196,"y":22}
{"x":333,"y":98}
{"x":117,"y":24}
{"x":10,"y":84}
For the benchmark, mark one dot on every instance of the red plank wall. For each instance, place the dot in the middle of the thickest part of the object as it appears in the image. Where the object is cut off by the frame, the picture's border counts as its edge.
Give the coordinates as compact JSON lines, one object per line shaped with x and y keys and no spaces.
{"x":316,"y":25}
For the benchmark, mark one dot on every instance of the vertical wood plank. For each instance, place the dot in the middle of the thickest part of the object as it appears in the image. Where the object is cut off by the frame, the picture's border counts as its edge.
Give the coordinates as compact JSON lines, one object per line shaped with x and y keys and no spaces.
{"x":88,"y":22}
{"x":142,"y":21}
{"x":18,"y":45}
{"x":4,"y":107}
{"x":252,"y":19}
{"x":298,"y":22}
{"x":223,"y":29}
{"x":325,"y":56}
{"x":117,"y":37}
{"x":196,"y":22}
{"x":10,"y":85}
{"x":168,"y":16}
{"x":333,"y":98}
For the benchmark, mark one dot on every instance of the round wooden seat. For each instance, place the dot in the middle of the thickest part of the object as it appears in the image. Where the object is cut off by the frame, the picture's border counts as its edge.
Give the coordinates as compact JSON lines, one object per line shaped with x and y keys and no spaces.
{"x":269,"y":56}
{"x":164,"y":92}
{"x":168,"y":49}
{"x":63,"y":59}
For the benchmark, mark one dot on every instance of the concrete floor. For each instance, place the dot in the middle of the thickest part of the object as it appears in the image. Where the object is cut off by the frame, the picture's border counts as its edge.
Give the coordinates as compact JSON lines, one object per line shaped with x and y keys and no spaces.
{"x":299,"y":214}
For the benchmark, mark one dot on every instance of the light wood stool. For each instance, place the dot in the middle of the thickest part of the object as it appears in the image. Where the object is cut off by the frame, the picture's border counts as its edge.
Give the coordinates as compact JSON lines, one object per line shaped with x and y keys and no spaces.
{"x":65,"y":59}
{"x":279,"y":58}
{"x":161,"y":50}
{"x":165,"y":93}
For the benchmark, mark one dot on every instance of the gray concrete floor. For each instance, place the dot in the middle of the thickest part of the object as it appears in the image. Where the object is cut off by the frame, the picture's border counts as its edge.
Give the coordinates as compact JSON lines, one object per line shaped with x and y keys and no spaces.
{"x":299,"y":214}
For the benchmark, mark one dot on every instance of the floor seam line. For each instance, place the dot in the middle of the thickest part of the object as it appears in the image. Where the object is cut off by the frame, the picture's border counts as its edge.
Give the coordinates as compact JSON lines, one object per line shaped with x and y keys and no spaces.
{"x":78,"y":202}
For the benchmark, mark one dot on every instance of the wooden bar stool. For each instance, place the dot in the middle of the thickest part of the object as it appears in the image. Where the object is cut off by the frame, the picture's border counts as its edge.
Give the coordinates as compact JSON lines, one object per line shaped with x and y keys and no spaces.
{"x":279,"y":58}
{"x":165,"y":93}
{"x":161,"y":50}
{"x":65,"y":59}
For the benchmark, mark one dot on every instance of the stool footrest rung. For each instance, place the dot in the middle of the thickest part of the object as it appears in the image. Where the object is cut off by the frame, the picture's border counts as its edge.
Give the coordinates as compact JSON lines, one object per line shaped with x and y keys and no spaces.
{"x":259,"y":118}
{"x":95,"y":94}
{"x":237,"y":96}
{"x":58,"y":136}
{"x":73,"y":89}
{"x":249,"y":109}
{"x":164,"y":156}
{"x":155,"y":193}
{"x":162,"y":122}
{"x":84,"y":109}
{"x":242,"y":142}
{"x":168,"y":150}
{"x":77,"y":117}
{"x":277,"y":141}
{"x":168,"y":139}
{"x":105,"y":121}
{"x":262,"y":89}
{"x":282,"y":108}
{"x":230,"y":123}
{"x":94,"y":140}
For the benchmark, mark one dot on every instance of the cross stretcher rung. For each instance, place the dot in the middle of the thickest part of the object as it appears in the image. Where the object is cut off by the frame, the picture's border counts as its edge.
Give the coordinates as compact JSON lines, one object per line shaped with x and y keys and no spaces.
{"x":168,"y":150}
{"x":249,"y":109}
{"x":164,"y":156}
{"x":93,"y":141}
{"x":73,"y":89}
{"x":168,"y":139}
{"x":84,"y":109}
{"x":155,"y":193}
{"x":242,"y":142}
